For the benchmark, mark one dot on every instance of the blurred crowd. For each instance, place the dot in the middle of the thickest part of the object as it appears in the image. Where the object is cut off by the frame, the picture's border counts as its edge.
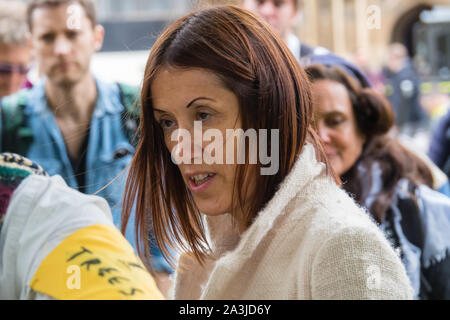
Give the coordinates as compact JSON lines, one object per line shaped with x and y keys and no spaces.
{"x":386,"y":142}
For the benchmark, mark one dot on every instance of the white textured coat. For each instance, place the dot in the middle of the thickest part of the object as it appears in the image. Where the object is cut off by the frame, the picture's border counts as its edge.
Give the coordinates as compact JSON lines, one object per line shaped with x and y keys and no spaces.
{"x":311,"y":241}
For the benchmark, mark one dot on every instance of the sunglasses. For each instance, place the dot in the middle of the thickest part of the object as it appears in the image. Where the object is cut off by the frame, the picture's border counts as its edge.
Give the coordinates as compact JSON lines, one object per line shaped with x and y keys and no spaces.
{"x":7,"y":69}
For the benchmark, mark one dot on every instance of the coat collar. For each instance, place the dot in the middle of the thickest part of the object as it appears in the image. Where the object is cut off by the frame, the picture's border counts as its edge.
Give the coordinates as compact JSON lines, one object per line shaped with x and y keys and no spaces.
{"x":224,"y":238}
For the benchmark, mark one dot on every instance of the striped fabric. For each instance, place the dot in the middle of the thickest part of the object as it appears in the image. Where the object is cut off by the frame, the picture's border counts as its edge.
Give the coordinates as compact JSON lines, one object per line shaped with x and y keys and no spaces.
{"x":13,"y":170}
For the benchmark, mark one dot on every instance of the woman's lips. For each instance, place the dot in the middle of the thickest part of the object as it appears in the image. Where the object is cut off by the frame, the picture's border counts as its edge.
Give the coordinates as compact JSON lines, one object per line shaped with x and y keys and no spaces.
{"x":196,"y":188}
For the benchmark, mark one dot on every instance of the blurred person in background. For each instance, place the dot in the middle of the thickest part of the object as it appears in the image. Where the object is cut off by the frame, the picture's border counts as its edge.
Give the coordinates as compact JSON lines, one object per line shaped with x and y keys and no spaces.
{"x":440,"y":144}
{"x":436,"y":104}
{"x":403,"y":90}
{"x":57,"y":243}
{"x":283,"y":16}
{"x":383,"y":176}
{"x":15,"y":49}
{"x":71,"y":123}
{"x":375,"y":75}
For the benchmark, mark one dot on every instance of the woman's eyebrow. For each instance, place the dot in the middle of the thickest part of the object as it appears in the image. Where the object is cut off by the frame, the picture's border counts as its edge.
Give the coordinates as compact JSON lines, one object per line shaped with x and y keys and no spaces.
{"x":188,"y":105}
{"x":339,"y":113}
{"x":195,"y":100}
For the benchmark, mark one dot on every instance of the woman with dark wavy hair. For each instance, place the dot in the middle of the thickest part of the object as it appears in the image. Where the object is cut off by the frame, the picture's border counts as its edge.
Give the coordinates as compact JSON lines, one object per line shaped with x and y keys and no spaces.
{"x":353,"y":122}
{"x":278,"y":229}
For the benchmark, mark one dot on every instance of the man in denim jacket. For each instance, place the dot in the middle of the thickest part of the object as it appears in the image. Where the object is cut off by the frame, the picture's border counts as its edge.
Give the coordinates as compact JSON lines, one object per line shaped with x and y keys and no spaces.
{"x":72,"y":122}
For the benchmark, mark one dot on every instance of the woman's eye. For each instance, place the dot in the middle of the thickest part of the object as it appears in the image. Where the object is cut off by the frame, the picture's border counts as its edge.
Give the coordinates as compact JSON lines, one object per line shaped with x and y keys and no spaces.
{"x":166,"y":124}
{"x":203,"y":116}
{"x":335,"y":122}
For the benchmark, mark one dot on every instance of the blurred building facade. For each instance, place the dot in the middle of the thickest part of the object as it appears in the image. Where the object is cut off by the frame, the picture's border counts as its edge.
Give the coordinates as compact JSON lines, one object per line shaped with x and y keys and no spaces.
{"x":367,"y":27}
{"x":135,"y":24}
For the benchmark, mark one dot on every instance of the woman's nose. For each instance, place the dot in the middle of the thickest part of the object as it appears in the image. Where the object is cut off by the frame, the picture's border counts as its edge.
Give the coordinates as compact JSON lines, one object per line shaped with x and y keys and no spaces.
{"x":189,"y":145}
{"x":324,"y":133}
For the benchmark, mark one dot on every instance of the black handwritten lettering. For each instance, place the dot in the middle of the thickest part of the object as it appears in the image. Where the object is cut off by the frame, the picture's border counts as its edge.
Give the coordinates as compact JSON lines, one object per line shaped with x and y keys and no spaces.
{"x":135,"y":265}
{"x":84,"y":250}
{"x":131,"y":293}
{"x":117,"y":280}
{"x":91,"y":262}
{"x":102,"y":271}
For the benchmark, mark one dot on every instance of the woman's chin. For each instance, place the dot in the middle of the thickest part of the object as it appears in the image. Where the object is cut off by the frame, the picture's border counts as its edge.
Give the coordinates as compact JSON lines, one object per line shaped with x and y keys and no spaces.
{"x":210,"y":210}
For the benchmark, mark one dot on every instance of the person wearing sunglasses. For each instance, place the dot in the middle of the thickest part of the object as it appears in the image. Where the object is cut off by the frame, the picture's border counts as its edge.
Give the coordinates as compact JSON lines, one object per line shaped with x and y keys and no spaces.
{"x":15,"y":52}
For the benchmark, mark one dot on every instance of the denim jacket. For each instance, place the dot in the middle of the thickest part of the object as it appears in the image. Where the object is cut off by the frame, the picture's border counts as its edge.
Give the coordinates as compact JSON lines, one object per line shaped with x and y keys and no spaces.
{"x":108,"y":155}
{"x":420,"y":233}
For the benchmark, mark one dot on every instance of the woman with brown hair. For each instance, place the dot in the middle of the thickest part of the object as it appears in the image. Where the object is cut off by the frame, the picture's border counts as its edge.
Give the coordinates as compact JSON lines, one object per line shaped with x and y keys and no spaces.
{"x":249,"y":230}
{"x":353,"y":122}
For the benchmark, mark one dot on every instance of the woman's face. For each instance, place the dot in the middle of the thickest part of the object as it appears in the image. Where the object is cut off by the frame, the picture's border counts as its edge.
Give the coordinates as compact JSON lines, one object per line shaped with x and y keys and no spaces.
{"x":181,"y":97}
{"x":333,"y":114}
